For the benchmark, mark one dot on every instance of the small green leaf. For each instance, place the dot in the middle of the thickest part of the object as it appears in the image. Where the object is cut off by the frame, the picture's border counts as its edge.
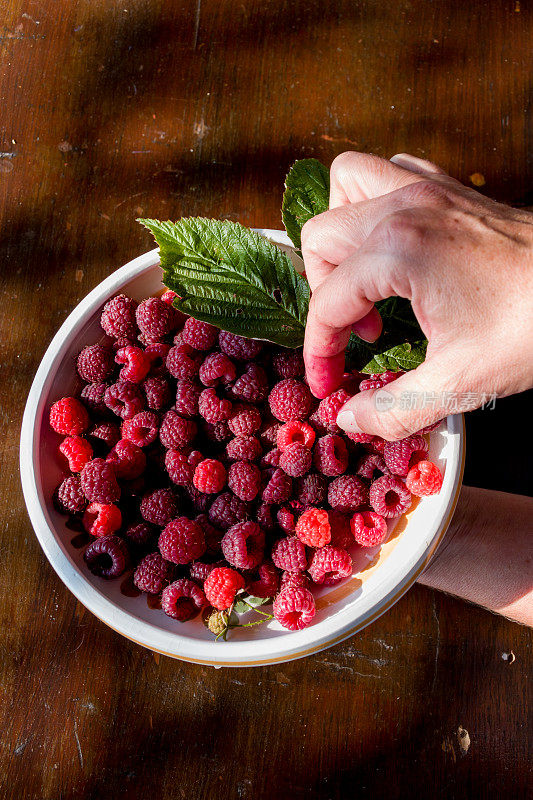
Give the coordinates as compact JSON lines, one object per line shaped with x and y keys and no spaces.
{"x":241,"y":607}
{"x":402,"y":357}
{"x":257,"y":601}
{"x":306,"y":195}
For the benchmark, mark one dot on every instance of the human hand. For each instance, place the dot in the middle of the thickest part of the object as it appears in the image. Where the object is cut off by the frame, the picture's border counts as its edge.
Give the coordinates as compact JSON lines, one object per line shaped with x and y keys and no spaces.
{"x":405,"y":228}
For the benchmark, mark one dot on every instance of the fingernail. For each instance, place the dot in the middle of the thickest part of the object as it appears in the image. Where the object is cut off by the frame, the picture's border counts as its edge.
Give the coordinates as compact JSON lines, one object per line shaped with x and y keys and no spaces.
{"x":346,"y":421}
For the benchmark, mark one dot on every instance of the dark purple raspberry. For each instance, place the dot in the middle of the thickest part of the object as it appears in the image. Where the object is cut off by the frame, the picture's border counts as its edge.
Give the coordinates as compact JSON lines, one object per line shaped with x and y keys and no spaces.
{"x":296,"y":460}
{"x":159,"y":507}
{"x":341,"y":534}
{"x":180,"y":471}
{"x":217,"y":432}
{"x":200,"y":501}
{"x":107,"y":557}
{"x":118,"y":317}
{"x":389,"y":496}
{"x":252,"y":385}
{"x":245,"y":420}
{"x":99,"y":483}
{"x":269,"y":432}
{"x":153,"y":573}
{"x":289,"y":554}
{"x":244,"y":480}
{"x":106,"y":433}
{"x":182,"y":541}
{"x":243,"y":448}
{"x":266,"y":583}
{"x":155,"y":319}
{"x":311,"y":490}
{"x":278,"y":489}
{"x":316,"y":423}
{"x":139,"y":534}
{"x":263,"y":516}
{"x":288,"y":363}
{"x":331,"y":455}
{"x":199,"y":570}
{"x":271,"y":459}
{"x":157,"y":392}
{"x":124,"y":399}
{"x":214,"y":408}
{"x":183,"y":600}
{"x":401,"y":456}
{"x":217,"y":369}
{"x":239,"y":347}
{"x":95,"y":363}
{"x":243,"y":545}
{"x":213,"y":536}
{"x":93,"y":397}
{"x":183,"y":362}
{"x":175,"y":431}
{"x":200,"y":335}
{"x":290,"y":399}
{"x":371,"y":466}
{"x":187,"y":395}
{"x":226,"y":510}
{"x":69,"y":497}
{"x":347,"y":493}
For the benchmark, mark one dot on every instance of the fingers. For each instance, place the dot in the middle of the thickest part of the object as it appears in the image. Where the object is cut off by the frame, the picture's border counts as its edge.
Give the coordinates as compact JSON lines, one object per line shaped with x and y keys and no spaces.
{"x":419,"y":165}
{"x":361,"y":176}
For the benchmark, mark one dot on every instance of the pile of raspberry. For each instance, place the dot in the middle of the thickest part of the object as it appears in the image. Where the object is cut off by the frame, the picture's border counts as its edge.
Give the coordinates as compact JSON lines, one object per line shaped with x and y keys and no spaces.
{"x":199,"y":460}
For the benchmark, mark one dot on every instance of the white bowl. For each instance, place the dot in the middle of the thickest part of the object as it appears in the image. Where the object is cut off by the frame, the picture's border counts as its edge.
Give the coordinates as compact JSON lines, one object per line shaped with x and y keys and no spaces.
{"x":342,"y":610}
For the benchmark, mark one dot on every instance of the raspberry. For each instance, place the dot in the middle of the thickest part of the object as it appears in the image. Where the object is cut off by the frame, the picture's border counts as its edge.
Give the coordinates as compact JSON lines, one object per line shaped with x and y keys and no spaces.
{"x":289,"y":554}
{"x":182,"y":541}
{"x":69,"y":417}
{"x":221,"y":586}
{"x":360,"y":438}
{"x":136,"y":364}
{"x":423,"y":479}
{"x":107,"y":557}
{"x":243,"y":545}
{"x":294,"y":608}
{"x":175,"y":431}
{"x":330,"y":407}
{"x":69,"y":497}
{"x":219,"y":432}
{"x":226,"y":510}
{"x":95,"y":363}
{"x":142,"y":429}
{"x":296,"y":460}
{"x":209,"y":476}
{"x":369,"y":465}
{"x":213,"y":536}
{"x":127,"y":459}
{"x":290,"y":400}
{"x":269,"y":433}
{"x":102,"y":520}
{"x":194,"y":458}
{"x":155,"y":319}
{"x":252,"y":385}
{"x":296,"y":580}
{"x":245,"y":420}
{"x":347,"y":493}
{"x":331,"y":455}
{"x":212,"y":407}
{"x":199,"y":571}
{"x":200,"y":501}
{"x":182,"y":600}
{"x":288,"y":363}
{"x":179,"y":469}
{"x":243,"y":448}
{"x":118,"y":317}
{"x":369,"y":528}
{"x":139,"y":534}
{"x":378,"y":381}
{"x":341,"y":534}
{"x":99,"y":483}
{"x":313,"y":527}
{"x":295,"y":433}
{"x":239,"y":347}
{"x":93,"y":395}
{"x":124,"y":399}
{"x":159,"y":507}
{"x":183,"y":362}
{"x":157,"y":393}
{"x":285,"y":519}
{"x":157,"y":353}
{"x":267,"y":583}
{"x":106,"y":433}
{"x":278,"y":489}
{"x":389,"y":496}
{"x":271,"y":459}
{"x":153,"y":573}
{"x":377,"y":445}
{"x":330,"y":565}
{"x":77,"y":451}
{"x":311,"y":490}
{"x":168,"y":296}
{"x":200,"y":335}
{"x":263,"y":516}
{"x":244,"y":480}
{"x":401,"y":456}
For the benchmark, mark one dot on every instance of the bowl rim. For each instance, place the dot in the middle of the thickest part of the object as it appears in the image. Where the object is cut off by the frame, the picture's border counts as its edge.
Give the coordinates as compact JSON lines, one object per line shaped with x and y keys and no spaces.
{"x":259,"y":652}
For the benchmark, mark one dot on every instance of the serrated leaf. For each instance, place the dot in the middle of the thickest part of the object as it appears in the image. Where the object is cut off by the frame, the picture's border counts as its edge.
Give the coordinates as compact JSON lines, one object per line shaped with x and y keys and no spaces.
{"x":306,"y":195}
{"x":240,"y":607}
{"x":402,"y":357}
{"x":233,"y":278}
{"x":257,"y":601}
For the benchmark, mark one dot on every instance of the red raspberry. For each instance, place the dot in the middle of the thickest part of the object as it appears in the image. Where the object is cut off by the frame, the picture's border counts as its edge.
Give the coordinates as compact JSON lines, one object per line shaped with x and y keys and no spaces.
{"x":124,"y":399}
{"x":295,"y":433}
{"x":316,"y":422}
{"x":214,"y":408}
{"x":369,"y":465}
{"x":271,"y":459}
{"x":252,"y":385}
{"x":239,"y":347}
{"x":267,"y":583}
{"x":127,"y":459}
{"x":137,"y":364}
{"x":139,"y":534}
{"x":182,"y":600}
{"x":289,"y":554}
{"x":290,"y":400}
{"x":243,"y":545}
{"x":157,"y":353}
{"x":77,"y":451}
{"x":118,"y":317}
{"x":263,"y":516}
{"x":341,"y":534}
{"x":330,"y":407}
{"x":199,"y":570}
{"x":269,"y":433}
{"x":155,"y":319}
{"x":182,"y":541}
{"x":93,"y":395}
{"x":102,"y":520}
{"x":217,"y":368}
{"x":219,"y":432}
{"x":200,"y":335}
{"x":153,"y":573}
{"x":245,"y":420}
{"x":209,"y":476}
{"x":294,"y":608}
{"x":401,"y":456}
{"x":330,"y":565}
{"x":107,"y":557}
{"x":213,"y":536}
{"x":157,"y":392}
{"x":68,"y":416}
{"x":221,"y":586}
{"x":159,"y":507}
{"x":296,"y":460}
{"x":99,"y":483}
{"x":226,"y":510}
{"x":369,"y":529}
{"x":106,"y":433}
{"x":142,"y":429}
{"x":243,"y":448}
{"x":175,"y":431}
{"x":360,"y":438}
{"x":288,"y":363}
{"x":168,"y":296}
{"x":313,"y":527}
{"x":379,"y":380}
{"x":377,"y":445}
{"x":296,"y":580}
{"x":331,"y":455}
{"x":183,"y":362}
{"x":179,"y":469}
{"x":69,"y":497}
{"x":95,"y":363}
{"x":278,"y":489}
{"x":286,"y":520}
{"x":244,"y":480}
{"x":423,"y":479}
{"x":389,"y":496}
{"x":347,"y":493}
{"x":311,"y":490}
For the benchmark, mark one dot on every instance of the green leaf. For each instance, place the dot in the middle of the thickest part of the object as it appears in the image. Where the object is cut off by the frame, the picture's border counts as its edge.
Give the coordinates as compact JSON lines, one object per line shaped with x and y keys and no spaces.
{"x":257,"y":601}
{"x":247,"y":602}
{"x":233,"y":278}
{"x":306,"y":195}
{"x":241,"y":607}
{"x":403,"y":357}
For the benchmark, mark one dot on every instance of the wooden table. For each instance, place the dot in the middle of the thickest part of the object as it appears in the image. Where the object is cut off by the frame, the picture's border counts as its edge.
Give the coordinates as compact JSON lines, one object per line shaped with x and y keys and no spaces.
{"x":113,"y":110}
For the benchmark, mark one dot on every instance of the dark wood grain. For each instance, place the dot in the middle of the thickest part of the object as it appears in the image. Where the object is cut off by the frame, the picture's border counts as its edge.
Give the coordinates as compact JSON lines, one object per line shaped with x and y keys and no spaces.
{"x":115,"y":109}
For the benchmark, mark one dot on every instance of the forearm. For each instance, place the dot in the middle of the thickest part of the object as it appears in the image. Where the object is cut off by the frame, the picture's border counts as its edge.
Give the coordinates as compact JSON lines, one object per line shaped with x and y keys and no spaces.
{"x":487,"y":554}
